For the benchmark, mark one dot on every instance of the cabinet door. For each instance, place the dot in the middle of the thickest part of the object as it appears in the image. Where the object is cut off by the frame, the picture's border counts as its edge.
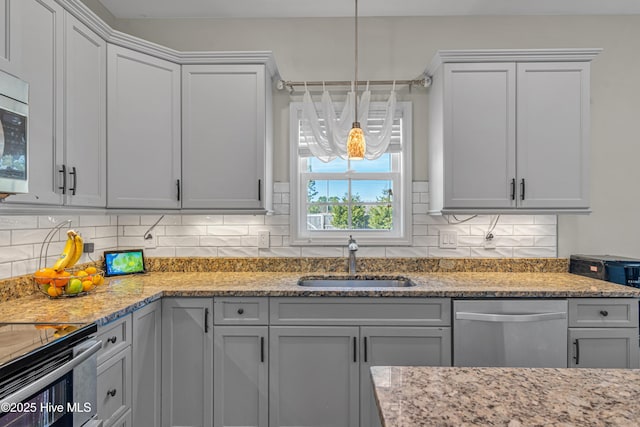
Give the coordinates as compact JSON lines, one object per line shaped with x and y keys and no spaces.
{"x":313,"y":376}
{"x":114,"y":387}
{"x":223,"y":136}
{"x":240,"y":376}
{"x":10,"y":44}
{"x":40,"y":27}
{"x":479,"y":135}
{"x":147,"y":366}
{"x":143,"y":153}
{"x":187,"y":362}
{"x":603,"y":348}
{"x":553,"y":135}
{"x":85,"y":115}
{"x":393,"y":346}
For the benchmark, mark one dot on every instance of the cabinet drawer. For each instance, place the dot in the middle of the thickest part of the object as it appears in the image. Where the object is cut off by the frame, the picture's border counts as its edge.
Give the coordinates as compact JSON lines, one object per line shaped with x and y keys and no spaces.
{"x":241,"y":311}
{"x":115,"y":337}
{"x":360,"y":311}
{"x":114,"y":387}
{"x":601,"y":312}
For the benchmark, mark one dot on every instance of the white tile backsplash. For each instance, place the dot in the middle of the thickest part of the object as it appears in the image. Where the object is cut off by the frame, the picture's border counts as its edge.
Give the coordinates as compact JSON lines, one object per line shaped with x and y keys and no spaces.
{"x":236,"y":235}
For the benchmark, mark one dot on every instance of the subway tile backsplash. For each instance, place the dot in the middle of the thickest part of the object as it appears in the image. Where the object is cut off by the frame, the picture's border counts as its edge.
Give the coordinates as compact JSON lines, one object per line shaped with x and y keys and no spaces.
{"x":520,"y":236}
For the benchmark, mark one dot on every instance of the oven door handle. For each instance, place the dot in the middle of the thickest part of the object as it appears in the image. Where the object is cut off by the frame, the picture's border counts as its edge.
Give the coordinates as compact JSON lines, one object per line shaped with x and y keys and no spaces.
{"x":52,"y":376}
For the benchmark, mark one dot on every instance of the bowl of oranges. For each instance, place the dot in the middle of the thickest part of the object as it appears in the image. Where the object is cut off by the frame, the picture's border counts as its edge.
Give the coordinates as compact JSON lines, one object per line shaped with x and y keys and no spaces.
{"x":68,"y":282}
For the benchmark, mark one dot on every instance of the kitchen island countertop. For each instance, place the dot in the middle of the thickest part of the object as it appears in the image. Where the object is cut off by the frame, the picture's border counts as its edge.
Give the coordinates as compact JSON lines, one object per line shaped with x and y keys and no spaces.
{"x":125,"y":294}
{"x":444,"y":396}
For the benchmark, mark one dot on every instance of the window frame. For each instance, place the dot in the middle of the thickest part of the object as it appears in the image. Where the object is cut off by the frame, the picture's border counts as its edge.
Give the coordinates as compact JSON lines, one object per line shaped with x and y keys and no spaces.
{"x":402,"y":181}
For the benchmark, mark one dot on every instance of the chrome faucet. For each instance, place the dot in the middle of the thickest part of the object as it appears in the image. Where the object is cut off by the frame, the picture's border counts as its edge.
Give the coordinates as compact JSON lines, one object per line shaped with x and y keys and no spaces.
{"x":353,"y":247}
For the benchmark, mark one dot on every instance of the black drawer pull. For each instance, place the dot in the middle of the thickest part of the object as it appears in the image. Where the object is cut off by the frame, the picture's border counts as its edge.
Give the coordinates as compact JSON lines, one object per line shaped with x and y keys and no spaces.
{"x":241,"y":311}
{"x":112,"y":340}
{"x":577,"y":355}
{"x":604,"y":313}
{"x":111,"y":392}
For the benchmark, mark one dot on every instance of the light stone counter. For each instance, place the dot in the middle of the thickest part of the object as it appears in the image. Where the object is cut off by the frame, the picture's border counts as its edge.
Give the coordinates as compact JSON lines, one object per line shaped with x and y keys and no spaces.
{"x":444,"y":396}
{"x":123,"y":295}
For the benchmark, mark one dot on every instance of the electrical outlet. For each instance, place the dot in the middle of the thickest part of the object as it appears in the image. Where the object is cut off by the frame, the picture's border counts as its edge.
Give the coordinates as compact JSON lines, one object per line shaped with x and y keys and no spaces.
{"x":448,"y":239}
{"x":151,"y":242}
{"x":263,"y":239}
{"x":88,"y":248}
{"x":489,"y":244}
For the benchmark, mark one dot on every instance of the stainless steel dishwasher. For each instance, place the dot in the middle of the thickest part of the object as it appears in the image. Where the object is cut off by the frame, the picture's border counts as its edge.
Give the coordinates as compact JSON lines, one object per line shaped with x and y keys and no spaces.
{"x":515,"y":333}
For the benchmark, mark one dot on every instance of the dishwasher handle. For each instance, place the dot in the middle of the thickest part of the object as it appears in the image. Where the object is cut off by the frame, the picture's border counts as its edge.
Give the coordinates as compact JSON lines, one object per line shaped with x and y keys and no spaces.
{"x":513,"y":318}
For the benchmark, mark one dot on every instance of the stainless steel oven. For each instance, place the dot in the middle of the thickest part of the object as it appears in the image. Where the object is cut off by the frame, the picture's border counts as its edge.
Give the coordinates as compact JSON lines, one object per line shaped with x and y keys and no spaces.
{"x":53,"y":385}
{"x":14,"y":114}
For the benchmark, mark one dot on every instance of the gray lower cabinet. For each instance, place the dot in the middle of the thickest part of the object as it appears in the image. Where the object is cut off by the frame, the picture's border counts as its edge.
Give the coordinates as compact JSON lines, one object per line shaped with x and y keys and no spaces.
{"x":187,"y":362}
{"x":240,"y":376}
{"x":603,"y":348}
{"x":603,"y":333}
{"x":392,"y":346}
{"x":313,"y":374}
{"x":147,"y":365}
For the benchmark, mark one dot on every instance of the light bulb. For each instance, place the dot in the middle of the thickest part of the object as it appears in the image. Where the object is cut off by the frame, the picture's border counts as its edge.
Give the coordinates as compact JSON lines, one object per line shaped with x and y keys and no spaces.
{"x":356,"y":144}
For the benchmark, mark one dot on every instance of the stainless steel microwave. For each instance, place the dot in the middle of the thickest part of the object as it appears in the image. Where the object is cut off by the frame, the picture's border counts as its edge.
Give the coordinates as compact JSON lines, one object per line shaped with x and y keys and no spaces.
{"x":14,"y":113}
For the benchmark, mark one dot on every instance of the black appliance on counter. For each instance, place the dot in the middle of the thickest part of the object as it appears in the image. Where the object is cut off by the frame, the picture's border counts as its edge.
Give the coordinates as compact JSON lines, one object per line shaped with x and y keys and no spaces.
{"x":616,"y":269}
{"x":48,"y":375}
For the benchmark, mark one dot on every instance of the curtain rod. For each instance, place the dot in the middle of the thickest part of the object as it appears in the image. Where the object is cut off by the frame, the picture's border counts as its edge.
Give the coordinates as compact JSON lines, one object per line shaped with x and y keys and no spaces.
{"x":289,"y":85}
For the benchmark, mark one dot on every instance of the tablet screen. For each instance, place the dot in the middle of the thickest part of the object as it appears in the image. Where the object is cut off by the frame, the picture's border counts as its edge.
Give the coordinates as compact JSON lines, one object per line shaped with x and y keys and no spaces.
{"x":118,"y":263}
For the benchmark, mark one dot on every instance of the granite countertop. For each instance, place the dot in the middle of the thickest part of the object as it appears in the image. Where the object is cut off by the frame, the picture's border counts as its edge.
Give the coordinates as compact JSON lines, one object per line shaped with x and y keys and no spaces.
{"x":444,"y":396}
{"x":122,"y":295}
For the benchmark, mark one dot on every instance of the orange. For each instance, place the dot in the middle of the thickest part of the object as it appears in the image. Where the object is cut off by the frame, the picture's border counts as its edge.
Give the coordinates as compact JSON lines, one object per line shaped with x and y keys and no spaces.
{"x":98,"y":280}
{"x":44,"y":275}
{"x":54,"y":292}
{"x":61,"y":279}
{"x":87,"y":285}
{"x":82,"y":273}
{"x":91,"y":270}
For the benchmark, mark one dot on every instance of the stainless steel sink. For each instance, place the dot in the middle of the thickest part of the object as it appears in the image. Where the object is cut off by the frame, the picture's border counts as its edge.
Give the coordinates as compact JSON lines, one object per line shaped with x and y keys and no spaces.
{"x":356,"y":282}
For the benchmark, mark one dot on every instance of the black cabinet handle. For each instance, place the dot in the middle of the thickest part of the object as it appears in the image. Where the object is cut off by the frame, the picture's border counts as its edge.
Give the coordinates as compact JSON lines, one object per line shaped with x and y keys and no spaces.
{"x":178,"y":188}
{"x":75,"y":181}
{"x":259,"y":189}
{"x":522,"y":189}
{"x":241,"y":311}
{"x":604,"y":313}
{"x":513,"y":189}
{"x":355,"y":349}
{"x":365,"y":350}
{"x":206,"y":320}
{"x":261,"y":349}
{"x":63,"y":171}
{"x":577,"y":356}
{"x":112,"y":340}
{"x":112,"y":392}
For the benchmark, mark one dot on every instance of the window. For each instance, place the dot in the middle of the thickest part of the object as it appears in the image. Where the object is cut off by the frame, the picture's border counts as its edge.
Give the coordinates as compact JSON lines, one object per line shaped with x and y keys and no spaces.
{"x":368,"y":199}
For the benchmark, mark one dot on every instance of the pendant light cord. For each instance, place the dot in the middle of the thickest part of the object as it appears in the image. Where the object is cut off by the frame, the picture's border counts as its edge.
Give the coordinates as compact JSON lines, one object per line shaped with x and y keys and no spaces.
{"x":356,"y":59}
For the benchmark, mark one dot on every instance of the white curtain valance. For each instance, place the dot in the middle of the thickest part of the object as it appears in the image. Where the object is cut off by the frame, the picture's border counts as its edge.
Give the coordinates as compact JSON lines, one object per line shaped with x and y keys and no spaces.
{"x":330,"y":131}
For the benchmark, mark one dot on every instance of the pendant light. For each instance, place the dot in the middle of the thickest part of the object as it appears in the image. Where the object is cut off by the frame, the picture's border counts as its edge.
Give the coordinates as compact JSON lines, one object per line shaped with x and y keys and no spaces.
{"x":356,"y":144}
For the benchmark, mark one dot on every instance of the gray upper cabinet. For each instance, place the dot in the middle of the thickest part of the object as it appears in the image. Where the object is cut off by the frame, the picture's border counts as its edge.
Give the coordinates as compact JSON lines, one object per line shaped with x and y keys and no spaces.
{"x":39,"y":25}
{"x":143,"y":156}
{"x":187,"y":362}
{"x":9,"y":36}
{"x":509,"y":131}
{"x":226,"y":137}
{"x":64,"y":63}
{"x":85,"y":135}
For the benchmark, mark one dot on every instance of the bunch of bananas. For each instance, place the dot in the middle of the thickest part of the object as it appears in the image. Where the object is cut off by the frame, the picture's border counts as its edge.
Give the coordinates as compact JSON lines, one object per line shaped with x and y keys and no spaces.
{"x":71,"y":253}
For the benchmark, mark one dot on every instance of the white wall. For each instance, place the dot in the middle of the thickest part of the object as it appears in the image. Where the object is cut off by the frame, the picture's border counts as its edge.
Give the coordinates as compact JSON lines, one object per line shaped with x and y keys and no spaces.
{"x":400,"y":48}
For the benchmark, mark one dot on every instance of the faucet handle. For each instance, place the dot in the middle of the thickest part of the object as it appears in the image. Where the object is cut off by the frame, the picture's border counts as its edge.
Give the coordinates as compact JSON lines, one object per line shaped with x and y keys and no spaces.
{"x":353,"y":245}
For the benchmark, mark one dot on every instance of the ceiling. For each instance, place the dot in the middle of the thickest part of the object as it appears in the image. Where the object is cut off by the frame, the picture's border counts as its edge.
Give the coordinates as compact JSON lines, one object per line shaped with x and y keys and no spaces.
{"x":337,"y":8}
